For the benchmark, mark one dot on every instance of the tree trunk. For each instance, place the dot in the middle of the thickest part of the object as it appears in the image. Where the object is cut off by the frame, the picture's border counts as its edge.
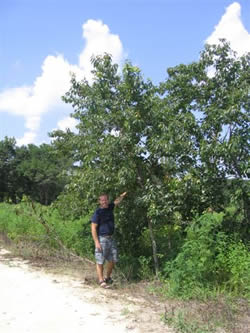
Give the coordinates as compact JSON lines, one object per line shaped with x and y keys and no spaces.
{"x":154,"y":247}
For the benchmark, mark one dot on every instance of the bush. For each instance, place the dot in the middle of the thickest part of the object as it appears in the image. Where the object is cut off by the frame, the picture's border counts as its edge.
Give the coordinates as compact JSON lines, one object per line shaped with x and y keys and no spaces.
{"x":22,"y":221}
{"x":16,"y":221}
{"x":194,"y":265}
{"x":208,"y":260}
{"x":234,"y":261}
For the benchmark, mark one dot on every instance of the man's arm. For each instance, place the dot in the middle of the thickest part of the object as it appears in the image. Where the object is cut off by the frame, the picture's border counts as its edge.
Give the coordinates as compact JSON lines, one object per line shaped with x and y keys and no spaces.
{"x":95,"y":236}
{"x":120,"y":198}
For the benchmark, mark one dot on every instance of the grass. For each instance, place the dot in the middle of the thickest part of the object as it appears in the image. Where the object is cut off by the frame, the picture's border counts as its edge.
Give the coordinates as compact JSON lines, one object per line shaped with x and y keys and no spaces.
{"x":217,"y":312}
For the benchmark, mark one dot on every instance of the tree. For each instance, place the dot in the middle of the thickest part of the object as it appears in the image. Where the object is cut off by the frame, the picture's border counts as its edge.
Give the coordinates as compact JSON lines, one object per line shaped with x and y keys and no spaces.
{"x":172,"y":147}
{"x":35,"y":171}
{"x":43,"y":171}
{"x":7,"y":169}
{"x":216,"y":91}
{"x":116,"y":115}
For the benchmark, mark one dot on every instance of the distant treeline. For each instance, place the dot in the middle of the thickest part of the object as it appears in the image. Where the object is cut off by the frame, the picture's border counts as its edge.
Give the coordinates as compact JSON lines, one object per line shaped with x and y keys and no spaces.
{"x":34,"y":171}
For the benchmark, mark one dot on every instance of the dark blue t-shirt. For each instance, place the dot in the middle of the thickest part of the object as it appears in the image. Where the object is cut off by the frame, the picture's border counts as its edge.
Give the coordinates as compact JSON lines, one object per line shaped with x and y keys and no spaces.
{"x":104,"y":217}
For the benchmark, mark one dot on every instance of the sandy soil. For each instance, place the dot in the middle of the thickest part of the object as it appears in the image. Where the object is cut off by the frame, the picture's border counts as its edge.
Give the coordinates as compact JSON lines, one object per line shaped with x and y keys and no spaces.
{"x":33,"y":300}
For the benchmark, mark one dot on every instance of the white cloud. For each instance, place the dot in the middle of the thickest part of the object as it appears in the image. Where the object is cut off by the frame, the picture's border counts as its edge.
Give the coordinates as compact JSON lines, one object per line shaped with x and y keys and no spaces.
{"x":67,"y":123}
{"x":98,"y":41}
{"x":29,"y":137}
{"x":31,"y":102}
{"x":232,"y":29}
{"x":44,"y":95}
{"x":15,"y":100}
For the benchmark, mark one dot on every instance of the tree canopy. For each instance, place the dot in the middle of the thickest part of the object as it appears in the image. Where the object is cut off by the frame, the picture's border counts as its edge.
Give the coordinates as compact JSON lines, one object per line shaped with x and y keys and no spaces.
{"x":32,"y":171}
{"x":178,"y":148}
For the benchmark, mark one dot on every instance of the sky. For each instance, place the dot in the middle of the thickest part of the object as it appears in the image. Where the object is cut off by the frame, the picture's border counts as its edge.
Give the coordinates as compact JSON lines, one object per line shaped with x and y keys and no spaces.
{"x":43,"y":41}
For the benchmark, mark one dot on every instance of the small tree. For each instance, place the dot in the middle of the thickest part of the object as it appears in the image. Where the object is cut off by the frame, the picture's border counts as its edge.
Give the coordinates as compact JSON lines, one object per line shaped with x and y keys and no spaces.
{"x":172,"y":147}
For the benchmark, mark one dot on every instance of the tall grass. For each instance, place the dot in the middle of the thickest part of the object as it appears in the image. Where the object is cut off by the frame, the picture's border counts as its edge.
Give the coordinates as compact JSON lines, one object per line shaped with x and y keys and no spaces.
{"x":44,"y":226}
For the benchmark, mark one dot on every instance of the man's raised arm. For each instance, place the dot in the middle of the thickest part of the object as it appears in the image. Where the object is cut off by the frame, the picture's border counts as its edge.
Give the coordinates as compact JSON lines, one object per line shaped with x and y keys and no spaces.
{"x":120,"y":198}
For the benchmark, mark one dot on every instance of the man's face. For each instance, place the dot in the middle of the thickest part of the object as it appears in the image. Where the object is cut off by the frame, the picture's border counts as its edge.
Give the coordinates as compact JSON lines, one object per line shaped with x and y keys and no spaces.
{"x":104,"y":201}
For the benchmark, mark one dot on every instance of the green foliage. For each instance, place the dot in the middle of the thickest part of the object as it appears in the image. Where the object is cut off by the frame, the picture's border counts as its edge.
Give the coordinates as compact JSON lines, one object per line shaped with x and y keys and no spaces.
{"x":8,"y":173}
{"x":128,"y":266}
{"x":209,"y":259}
{"x":239,"y":265}
{"x":234,"y":263}
{"x":20,"y":222}
{"x":171,"y":147}
{"x":145,"y":268}
{"x":193,"y":265}
{"x":180,"y":148}
{"x":73,"y":233}
{"x":34,"y":171}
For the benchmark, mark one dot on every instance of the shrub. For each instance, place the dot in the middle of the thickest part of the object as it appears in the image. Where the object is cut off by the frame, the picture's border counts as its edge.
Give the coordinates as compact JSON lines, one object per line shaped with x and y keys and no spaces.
{"x":234,"y":261}
{"x":209,"y":259}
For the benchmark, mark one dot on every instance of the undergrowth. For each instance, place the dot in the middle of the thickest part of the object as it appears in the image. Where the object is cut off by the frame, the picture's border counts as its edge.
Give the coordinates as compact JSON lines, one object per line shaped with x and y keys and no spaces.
{"x":206,"y":285}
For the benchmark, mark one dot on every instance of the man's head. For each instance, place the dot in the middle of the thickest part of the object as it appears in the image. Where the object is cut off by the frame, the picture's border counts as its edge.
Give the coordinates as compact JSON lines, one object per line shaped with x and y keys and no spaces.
{"x":104,"y":200}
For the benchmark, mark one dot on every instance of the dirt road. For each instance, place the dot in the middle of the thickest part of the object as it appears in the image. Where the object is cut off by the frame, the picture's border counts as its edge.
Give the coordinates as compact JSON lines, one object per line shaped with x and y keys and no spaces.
{"x":34,"y":301}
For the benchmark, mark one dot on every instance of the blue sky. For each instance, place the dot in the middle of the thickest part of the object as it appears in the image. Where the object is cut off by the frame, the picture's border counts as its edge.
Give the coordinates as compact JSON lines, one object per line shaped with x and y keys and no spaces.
{"x":42,"y":41}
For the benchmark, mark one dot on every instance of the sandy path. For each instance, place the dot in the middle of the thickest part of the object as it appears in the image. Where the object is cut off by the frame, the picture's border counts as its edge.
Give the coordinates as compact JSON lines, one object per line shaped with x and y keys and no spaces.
{"x":36,"y":302}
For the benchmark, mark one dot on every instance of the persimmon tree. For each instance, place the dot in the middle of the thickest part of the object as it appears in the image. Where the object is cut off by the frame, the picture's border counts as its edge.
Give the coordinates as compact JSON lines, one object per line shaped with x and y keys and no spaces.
{"x":172,"y":147}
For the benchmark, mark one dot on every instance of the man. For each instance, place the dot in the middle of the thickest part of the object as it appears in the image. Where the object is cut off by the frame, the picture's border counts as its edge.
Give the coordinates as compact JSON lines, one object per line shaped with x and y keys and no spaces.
{"x":102,"y":229}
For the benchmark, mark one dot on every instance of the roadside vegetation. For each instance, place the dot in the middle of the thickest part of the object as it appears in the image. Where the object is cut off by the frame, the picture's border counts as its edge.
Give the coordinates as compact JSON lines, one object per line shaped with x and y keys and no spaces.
{"x":181,"y":151}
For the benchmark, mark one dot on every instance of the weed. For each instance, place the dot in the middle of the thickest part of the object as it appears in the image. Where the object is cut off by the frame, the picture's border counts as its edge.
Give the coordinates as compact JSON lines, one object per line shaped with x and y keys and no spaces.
{"x":125,"y":312}
{"x":183,"y":324}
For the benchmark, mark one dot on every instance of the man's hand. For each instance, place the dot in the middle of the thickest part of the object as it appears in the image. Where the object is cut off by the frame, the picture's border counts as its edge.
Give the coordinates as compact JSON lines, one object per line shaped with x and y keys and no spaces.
{"x":120,"y":198}
{"x":98,"y":246}
{"x":95,"y":237}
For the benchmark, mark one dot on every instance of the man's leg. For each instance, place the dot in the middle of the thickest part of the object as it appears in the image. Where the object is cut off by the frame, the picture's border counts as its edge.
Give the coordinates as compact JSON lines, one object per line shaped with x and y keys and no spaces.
{"x":99,"y":269}
{"x":112,"y":259}
{"x":102,"y":282}
{"x":110,"y":266}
